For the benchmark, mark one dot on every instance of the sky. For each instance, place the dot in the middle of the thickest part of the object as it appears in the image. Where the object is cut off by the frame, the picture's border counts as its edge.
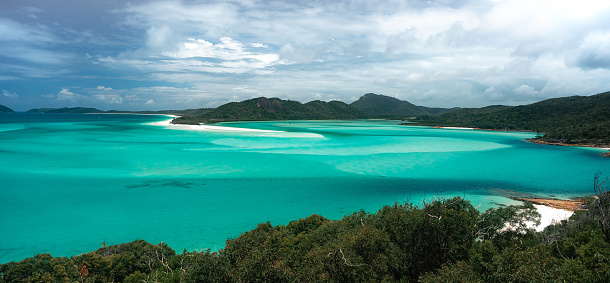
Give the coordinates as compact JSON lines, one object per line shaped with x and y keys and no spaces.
{"x":155,"y":55}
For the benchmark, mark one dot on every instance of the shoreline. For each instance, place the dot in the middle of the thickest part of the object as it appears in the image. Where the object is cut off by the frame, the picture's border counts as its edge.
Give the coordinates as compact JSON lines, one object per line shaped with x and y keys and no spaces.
{"x":533,"y":140}
{"x":168,"y":123}
{"x":552,"y":210}
{"x":539,"y":141}
{"x":564,"y":204}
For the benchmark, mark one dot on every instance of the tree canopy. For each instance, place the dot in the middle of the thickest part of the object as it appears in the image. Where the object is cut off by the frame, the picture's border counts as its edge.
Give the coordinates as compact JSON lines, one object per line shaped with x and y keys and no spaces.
{"x":446,"y":240}
{"x":575,"y":119}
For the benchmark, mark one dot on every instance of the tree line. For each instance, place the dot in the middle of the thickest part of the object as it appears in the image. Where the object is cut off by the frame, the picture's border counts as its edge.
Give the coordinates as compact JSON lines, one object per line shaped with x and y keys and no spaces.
{"x":571,"y":120}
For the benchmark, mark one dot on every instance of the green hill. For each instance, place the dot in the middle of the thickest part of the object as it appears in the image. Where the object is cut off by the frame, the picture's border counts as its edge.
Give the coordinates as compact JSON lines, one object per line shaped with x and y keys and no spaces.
{"x":574,"y":119}
{"x":4,"y":109}
{"x":386,"y":106}
{"x":74,"y":110}
{"x":263,"y":109}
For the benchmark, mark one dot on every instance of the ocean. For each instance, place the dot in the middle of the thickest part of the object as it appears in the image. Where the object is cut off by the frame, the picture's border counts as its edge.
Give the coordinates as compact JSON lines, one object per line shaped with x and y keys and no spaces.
{"x":70,"y":182}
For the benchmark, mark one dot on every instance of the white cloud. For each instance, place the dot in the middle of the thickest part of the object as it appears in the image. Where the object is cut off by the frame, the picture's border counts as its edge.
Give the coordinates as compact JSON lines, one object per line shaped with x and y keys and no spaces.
{"x":435,"y":53}
{"x":9,"y":94}
{"x":227,"y":49}
{"x":66,"y":94}
{"x":109,"y":98}
{"x":526,"y":90}
{"x":259,"y":45}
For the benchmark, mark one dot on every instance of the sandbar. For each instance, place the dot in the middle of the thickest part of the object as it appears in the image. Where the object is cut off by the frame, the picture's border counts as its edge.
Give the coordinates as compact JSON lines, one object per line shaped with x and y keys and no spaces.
{"x":565,"y":204}
{"x":168,"y":123}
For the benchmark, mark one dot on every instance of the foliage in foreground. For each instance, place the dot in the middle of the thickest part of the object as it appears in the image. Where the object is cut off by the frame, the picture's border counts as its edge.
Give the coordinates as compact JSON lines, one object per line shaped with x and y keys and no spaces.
{"x":441,"y":241}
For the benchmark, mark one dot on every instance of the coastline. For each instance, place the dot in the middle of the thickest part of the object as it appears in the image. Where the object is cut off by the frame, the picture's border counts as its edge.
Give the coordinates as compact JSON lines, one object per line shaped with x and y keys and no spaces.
{"x":604,"y":147}
{"x":537,"y":140}
{"x":564,"y":204}
{"x":552,"y":210}
{"x":168,"y":123}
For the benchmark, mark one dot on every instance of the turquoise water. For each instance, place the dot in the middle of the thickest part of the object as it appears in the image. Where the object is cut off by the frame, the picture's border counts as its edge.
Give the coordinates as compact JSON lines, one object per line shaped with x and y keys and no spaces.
{"x":69,"y":182}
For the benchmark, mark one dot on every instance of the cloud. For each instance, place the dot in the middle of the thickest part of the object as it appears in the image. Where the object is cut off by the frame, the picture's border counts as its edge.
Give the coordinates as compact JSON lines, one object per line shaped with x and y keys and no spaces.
{"x":298,"y":54}
{"x":593,"y":53}
{"x":13,"y":31}
{"x":182,"y":54}
{"x":31,"y":11}
{"x":227,"y":49}
{"x":526,"y":90}
{"x":109,"y":98}
{"x":9,"y":94}
{"x":66,"y":94}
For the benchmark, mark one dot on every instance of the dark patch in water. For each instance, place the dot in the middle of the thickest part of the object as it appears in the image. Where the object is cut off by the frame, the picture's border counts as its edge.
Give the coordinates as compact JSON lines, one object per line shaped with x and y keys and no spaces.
{"x":163,"y":184}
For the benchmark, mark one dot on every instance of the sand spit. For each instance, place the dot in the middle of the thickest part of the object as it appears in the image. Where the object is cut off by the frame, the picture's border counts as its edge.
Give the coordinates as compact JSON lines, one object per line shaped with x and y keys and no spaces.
{"x":168,"y":123}
{"x":565,"y":204}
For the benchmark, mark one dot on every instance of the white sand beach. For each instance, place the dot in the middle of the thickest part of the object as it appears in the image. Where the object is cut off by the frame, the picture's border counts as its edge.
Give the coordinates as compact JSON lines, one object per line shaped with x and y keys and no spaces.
{"x":457,"y":128}
{"x":168,"y":123}
{"x":549,"y":215}
{"x":258,"y":132}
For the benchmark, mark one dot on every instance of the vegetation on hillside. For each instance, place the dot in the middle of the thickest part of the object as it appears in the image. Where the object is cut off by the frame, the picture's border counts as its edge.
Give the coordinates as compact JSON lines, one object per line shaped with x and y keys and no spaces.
{"x":4,"y":109}
{"x":441,"y":241}
{"x":575,"y":119}
{"x":66,"y":110}
{"x":262,"y":109}
{"x":86,"y":110}
{"x":390,"y":107}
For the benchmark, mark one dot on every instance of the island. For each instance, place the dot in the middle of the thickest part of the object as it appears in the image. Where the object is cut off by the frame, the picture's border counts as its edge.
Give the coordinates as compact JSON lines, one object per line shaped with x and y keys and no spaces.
{"x":4,"y":109}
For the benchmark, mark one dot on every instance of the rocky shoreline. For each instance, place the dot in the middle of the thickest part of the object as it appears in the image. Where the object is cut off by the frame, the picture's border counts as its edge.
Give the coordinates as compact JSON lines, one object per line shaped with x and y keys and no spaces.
{"x":565,"y":204}
{"x":579,"y":144}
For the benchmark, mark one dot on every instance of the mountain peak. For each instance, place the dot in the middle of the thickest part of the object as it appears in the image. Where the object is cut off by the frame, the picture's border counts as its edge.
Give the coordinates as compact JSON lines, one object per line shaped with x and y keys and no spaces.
{"x":387,"y":106}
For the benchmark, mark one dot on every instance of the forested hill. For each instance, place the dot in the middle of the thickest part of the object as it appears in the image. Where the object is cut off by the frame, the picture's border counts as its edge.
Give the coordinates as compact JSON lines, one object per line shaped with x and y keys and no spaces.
{"x":574,"y":119}
{"x":4,"y":109}
{"x":261,"y":109}
{"x":75,"y":110}
{"x":386,"y":106}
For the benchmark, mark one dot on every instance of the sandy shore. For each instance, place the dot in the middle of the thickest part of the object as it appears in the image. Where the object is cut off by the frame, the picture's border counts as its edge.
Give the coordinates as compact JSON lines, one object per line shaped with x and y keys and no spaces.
{"x":257,"y":132}
{"x":454,"y":128}
{"x":549,"y":215}
{"x":564,"y":204}
{"x":168,"y":123}
{"x":553,"y":210}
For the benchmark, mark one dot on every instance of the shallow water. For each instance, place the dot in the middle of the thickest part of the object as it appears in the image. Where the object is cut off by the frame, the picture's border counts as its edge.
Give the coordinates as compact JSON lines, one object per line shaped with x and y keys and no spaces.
{"x":69,"y":182}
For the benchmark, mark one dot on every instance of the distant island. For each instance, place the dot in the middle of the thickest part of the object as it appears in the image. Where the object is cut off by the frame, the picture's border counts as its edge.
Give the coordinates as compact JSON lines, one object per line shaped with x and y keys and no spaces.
{"x":4,"y":109}
{"x":87,"y":110}
{"x":66,"y":110}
